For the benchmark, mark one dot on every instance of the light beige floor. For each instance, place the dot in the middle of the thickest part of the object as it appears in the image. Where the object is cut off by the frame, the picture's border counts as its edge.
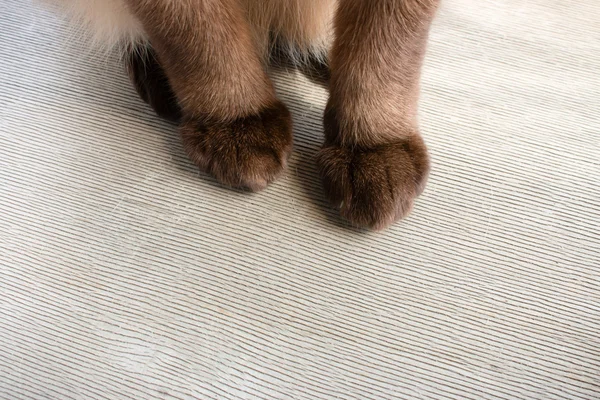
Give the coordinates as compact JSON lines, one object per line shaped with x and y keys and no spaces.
{"x":126,"y":274}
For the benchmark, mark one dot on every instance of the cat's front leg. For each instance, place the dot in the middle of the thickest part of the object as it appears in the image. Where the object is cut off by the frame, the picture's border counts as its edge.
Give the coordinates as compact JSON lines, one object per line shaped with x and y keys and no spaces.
{"x":232,"y":125}
{"x":374,"y":162}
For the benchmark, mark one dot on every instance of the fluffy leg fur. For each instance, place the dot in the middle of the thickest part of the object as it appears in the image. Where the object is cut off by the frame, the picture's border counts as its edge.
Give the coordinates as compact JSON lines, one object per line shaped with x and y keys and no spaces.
{"x":290,"y":33}
{"x":302,"y":28}
{"x":108,"y":21}
{"x":374,"y":161}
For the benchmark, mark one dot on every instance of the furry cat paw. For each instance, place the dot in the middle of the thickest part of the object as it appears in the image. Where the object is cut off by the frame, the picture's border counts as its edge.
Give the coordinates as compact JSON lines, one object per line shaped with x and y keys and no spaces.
{"x":249,"y":152}
{"x":376,"y":186}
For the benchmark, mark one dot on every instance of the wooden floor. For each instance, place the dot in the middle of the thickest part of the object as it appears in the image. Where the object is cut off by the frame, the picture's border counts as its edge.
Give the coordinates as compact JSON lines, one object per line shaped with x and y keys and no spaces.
{"x":126,"y":274}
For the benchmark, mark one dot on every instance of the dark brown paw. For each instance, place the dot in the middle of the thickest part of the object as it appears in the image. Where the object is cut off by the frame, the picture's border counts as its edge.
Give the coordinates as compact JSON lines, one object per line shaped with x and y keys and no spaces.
{"x":374,"y":187}
{"x":151,"y":83}
{"x":249,"y":152}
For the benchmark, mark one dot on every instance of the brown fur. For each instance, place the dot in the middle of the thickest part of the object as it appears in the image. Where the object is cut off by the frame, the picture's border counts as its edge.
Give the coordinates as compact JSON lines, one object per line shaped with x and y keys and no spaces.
{"x":376,"y":61}
{"x":248,"y":152}
{"x":374,"y":186}
{"x":212,"y":52}
{"x":207,"y":50}
{"x":374,"y":162}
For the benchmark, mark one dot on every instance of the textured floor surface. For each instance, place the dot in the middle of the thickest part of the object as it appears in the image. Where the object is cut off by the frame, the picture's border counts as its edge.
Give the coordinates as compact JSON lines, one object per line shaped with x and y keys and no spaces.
{"x":126,"y":274}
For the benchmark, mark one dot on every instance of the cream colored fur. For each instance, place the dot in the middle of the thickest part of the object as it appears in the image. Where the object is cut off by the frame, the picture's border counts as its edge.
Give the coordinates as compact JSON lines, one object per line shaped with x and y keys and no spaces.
{"x":109,"y":22}
{"x":304,"y":25}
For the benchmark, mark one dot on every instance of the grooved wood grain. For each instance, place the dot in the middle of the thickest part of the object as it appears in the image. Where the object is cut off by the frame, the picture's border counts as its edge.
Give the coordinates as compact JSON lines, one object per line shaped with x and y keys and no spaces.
{"x":126,"y":274}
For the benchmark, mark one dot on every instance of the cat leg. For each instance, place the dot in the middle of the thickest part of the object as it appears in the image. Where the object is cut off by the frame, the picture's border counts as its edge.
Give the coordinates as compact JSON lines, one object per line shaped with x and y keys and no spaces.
{"x":232,"y":125}
{"x":151,"y":82}
{"x":374,"y":162}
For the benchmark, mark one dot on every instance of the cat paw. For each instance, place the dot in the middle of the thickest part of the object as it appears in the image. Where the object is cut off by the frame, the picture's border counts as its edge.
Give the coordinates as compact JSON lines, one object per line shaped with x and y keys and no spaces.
{"x":374,"y":187}
{"x":249,"y":152}
{"x":151,"y":82}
